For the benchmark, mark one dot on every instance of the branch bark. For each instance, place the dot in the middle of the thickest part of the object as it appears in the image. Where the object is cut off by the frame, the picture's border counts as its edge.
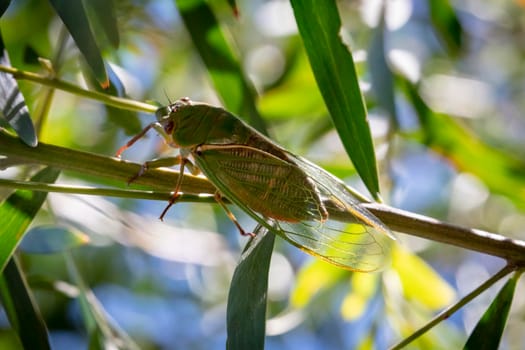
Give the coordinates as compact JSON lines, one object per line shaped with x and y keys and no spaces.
{"x":160,"y":180}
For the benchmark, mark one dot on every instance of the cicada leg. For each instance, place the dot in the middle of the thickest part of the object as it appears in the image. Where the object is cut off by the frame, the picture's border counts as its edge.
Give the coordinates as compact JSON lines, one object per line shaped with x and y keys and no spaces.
{"x":184,"y":162}
{"x":153,"y":164}
{"x":232,"y":217}
{"x":156,"y":125}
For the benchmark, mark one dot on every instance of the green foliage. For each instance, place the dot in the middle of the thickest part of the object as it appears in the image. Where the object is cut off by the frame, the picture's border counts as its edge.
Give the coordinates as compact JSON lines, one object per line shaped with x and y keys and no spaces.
{"x":487,"y":333}
{"x":246,"y":315}
{"x":301,"y":80}
{"x":334,"y":70}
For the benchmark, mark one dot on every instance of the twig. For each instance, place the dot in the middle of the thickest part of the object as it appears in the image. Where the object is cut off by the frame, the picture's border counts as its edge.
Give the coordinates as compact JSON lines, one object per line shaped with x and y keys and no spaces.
{"x":60,"y":84}
{"x":453,"y":308}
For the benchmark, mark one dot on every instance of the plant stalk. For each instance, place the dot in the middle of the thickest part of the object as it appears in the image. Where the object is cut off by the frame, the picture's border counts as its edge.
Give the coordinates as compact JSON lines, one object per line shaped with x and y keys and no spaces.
{"x":160,"y":182}
{"x":60,"y":84}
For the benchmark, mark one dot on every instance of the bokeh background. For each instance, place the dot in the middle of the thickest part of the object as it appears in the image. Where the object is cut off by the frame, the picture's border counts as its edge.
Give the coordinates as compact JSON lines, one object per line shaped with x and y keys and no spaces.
{"x":165,"y":284}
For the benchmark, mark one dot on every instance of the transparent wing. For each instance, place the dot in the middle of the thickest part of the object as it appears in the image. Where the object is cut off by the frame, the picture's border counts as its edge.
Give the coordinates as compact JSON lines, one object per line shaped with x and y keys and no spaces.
{"x":338,"y":231}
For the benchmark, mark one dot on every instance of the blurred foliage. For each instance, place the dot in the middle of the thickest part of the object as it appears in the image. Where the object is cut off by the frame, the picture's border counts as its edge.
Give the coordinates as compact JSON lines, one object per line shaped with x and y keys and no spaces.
{"x":443,"y":85}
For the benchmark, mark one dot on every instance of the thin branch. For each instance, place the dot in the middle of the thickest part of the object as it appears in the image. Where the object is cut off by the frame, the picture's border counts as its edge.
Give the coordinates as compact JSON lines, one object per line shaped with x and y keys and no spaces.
{"x":512,"y":250}
{"x":103,"y":167}
{"x":453,"y":308}
{"x":108,"y":192}
{"x":60,"y":84}
{"x":98,"y":166}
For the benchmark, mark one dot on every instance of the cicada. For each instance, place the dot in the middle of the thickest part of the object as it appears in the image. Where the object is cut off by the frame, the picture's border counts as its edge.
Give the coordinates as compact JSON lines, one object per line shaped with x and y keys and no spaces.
{"x":292,"y":197}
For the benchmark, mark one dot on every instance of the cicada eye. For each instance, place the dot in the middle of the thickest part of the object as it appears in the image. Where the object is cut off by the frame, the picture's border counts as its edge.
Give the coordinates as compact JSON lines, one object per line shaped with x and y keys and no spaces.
{"x":168,"y":127}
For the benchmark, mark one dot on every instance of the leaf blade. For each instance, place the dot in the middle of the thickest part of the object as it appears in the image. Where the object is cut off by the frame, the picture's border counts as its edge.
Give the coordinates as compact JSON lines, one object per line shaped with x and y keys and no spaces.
{"x":222,"y":64}
{"x":487,"y":333}
{"x":246,"y":311}
{"x":17,"y":212}
{"x":447,"y":25}
{"x":21,"y":309}
{"x":13,"y":107}
{"x":334,"y":70}
{"x":74,"y":16}
{"x":104,"y":11}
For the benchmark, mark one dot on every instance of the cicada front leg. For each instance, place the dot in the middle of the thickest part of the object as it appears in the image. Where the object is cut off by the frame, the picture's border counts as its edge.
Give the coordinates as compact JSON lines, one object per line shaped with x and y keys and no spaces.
{"x":184,"y":162}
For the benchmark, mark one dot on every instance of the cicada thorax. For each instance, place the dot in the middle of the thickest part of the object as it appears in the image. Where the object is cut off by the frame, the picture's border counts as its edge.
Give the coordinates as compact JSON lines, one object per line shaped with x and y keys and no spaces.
{"x":265,"y":183}
{"x":255,"y":169}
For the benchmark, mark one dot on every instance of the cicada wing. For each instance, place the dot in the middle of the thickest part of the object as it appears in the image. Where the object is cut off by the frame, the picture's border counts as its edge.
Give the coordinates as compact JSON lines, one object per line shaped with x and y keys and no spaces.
{"x":340,"y":201}
{"x":265,"y":183}
{"x":355,"y":245}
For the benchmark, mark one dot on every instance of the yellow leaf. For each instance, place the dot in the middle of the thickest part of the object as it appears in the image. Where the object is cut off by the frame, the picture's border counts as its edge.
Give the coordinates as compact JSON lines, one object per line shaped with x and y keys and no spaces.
{"x":363,"y":287}
{"x":353,"y":307}
{"x":420,"y":282}
{"x":313,"y":278}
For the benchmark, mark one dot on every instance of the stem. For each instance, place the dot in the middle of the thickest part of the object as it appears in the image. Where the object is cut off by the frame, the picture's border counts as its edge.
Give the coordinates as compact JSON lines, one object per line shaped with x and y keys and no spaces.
{"x":453,"y":308}
{"x":109,"y":192}
{"x":512,"y":250}
{"x":98,"y":166}
{"x":164,"y":180}
{"x":60,"y":84}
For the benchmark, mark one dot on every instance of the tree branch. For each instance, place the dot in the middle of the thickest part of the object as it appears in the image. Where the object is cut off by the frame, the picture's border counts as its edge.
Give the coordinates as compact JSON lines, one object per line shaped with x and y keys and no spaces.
{"x":161,"y":182}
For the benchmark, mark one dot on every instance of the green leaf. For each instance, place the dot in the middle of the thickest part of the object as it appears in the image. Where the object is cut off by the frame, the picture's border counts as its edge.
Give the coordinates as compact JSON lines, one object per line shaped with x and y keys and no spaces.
{"x":223,"y":66}
{"x":12,"y":105}
{"x":75,"y":19}
{"x":21,"y":309}
{"x":104,"y":12}
{"x":487,"y":333}
{"x":17,"y":212}
{"x":246,"y":312}
{"x":234,"y":7}
{"x":334,"y":70}
{"x":287,"y":99}
{"x":51,"y":239}
{"x":503,"y":173}
{"x":4,"y":4}
{"x":126,"y":119}
{"x":446,"y":24}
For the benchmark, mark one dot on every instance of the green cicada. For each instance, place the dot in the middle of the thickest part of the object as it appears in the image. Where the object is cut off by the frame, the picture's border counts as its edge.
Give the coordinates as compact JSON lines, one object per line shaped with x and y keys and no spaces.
{"x":291,"y":196}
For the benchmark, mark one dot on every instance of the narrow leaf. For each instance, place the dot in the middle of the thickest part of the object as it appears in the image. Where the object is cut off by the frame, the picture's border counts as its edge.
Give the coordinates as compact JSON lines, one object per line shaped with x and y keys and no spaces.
{"x":51,"y":239}
{"x":225,"y":71}
{"x":488,"y":331}
{"x":447,"y":24}
{"x":467,"y":151}
{"x":104,"y":12}
{"x":334,"y":70}
{"x":4,"y":4}
{"x":234,"y":7}
{"x":126,"y":119}
{"x":12,"y":105}
{"x":246,"y":311}
{"x":21,"y":309}
{"x":17,"y":212}
{"x":75,"y":19}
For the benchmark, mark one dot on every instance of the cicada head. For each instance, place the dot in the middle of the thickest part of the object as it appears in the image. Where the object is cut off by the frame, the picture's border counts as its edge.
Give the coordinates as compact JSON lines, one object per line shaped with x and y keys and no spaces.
{"x":170,"y":116}
{"x":193,"y":124}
